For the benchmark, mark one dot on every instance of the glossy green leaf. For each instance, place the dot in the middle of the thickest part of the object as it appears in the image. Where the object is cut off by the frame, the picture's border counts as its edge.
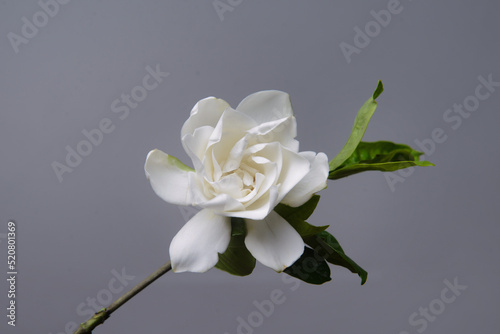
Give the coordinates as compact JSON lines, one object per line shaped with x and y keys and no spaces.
{"x":310,"y":268}
{"x":237,"y":260}
{"x":327,"y":246}
{"x":297,"y":216}
{"x":358,"y":130}
{"x":382,"y":156}
{"x":378,"y":90}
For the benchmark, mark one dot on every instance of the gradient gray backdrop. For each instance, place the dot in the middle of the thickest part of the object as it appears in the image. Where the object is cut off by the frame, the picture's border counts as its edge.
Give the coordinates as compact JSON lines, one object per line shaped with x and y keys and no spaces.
{"x":440,"y":224}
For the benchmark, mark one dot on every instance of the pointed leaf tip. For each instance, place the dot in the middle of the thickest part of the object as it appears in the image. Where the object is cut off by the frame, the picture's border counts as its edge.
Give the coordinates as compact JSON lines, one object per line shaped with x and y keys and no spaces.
{"x":331,"y":251}
{"x":358,"y":130}
{"x":378,"y":90}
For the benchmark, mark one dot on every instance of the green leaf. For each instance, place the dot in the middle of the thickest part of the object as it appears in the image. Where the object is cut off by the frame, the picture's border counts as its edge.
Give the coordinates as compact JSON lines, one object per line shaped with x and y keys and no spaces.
{"x":327,"y":246}
{"x":358,"y":130}
{"x":237,"y":260}
{"x":378,"y":90}
{"x":382,"y":156}
{"x":310,"y":268}
{"x":297,"y":216}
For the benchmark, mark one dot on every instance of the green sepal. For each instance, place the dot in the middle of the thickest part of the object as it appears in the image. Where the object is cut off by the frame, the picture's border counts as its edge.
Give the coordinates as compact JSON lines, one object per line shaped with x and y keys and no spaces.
{"x":327,"y":246}
{"x":358,"y":130}
{"x":296,"y":217}
{"x":384,"y":156}
{"x":310,"y":268}
{"x":179,"y":164}
{"x":237,"y":260}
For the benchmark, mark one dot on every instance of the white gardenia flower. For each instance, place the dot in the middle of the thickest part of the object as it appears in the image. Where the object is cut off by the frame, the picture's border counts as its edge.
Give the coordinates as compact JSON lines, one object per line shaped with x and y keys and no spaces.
{"x":246,"y":161}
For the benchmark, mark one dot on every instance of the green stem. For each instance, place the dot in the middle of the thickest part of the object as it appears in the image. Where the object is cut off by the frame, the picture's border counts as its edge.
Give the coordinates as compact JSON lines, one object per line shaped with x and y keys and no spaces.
{"x":99,"y":317}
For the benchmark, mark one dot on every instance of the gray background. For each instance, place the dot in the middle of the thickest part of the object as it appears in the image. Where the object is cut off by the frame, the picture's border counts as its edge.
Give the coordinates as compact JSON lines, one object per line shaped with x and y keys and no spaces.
{"x":441,"y":223}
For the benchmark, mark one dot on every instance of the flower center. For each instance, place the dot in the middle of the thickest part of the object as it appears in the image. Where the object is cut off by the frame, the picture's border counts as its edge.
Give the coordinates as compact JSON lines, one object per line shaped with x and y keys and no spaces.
{"x":237,"y":183}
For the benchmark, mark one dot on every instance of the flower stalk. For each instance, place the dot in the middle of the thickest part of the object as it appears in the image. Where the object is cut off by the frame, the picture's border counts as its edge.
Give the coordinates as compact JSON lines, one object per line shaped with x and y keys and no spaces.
{"x":100,"y":317}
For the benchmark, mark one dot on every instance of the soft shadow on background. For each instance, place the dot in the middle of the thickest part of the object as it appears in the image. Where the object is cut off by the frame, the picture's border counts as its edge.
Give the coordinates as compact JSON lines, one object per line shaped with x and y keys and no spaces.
{"x":91,"y":233}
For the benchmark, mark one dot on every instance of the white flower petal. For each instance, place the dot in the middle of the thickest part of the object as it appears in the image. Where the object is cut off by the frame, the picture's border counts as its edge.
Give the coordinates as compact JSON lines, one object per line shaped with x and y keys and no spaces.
{"x":313,"y":182}
{"x":260,"y":208}
{"x":264,"y":181}
{"x":195,"y":145}
{"x":267,"y":159}
{"x":233,"y":160}
{"x":295,"y":168}
{"x":266,"y":153}
{"x":208,"y":168}
{"x":260,"y":160}
{"x":283,"y":130}
{"x":222,"y":203}
{"x":197,"y":192}
{"x":231,"y":128}
{"x":231,"y":185}
{"x":217,"y":171}
{"x":259,"y":180}
{"x":169,"y":177}
{"x":266,"y":106}
{"x":196,"y":246}
{"x":273,"y":241}
{"x":206,"y":112}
